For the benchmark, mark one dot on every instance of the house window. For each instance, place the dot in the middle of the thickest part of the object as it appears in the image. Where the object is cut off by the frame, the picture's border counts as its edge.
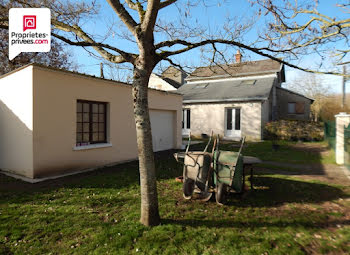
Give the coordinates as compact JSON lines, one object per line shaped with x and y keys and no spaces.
{"x":296,"y":108}
{"x":291,"y":108}
{"x":91,"y":122}
{"x":186,"y":119}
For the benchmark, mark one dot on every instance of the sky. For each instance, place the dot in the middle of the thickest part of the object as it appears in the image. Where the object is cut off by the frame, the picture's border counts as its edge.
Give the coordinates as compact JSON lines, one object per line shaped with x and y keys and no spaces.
{"x":211,"y":16}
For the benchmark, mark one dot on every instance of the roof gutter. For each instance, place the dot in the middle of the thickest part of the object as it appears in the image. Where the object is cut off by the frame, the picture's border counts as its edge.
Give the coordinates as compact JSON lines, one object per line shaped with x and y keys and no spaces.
{"x":232,"y":75}
{"x":225,"y":100}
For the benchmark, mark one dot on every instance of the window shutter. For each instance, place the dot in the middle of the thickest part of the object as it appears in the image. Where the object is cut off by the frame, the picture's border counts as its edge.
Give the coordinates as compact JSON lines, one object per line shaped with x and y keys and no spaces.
{"x":300,"y":107}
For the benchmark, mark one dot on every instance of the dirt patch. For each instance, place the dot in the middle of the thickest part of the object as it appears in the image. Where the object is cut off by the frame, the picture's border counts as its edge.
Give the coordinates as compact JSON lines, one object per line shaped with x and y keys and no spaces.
{"x":316,"y":148}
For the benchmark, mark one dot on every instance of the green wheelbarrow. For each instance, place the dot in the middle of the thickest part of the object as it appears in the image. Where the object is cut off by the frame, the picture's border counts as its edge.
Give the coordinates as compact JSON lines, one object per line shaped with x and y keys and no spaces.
{"x":228,"y":172}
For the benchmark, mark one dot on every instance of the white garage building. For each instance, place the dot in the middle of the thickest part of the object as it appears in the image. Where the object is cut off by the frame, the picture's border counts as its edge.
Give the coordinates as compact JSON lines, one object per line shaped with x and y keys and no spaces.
{"x":54,"y":122}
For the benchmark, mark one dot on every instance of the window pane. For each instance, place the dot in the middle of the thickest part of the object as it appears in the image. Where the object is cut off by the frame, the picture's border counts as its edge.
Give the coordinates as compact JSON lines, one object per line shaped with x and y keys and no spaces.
{"x":86,"y":127}
{"x":101,"y":136}
{"x":86,"y":117}
{"x":94,"y":117}
{"x":183,"y":118}
{"x":101,"y":108}
{"x":79,"y":107}
{"x":95,"y":108}
{"x":86,"y":107}
{"x":188,"y":119}
{"x":86,"y":137}
{"x":95,"y":137}
{"x":79,"y":127}
{"x":79,"y":137}
{"x":229,"y":119}
{"x":238,"y":119}
{"x":291,"y":107}
{"x":79,"y":117}
{"x":90,"y":128}
{"x":101,"y":118}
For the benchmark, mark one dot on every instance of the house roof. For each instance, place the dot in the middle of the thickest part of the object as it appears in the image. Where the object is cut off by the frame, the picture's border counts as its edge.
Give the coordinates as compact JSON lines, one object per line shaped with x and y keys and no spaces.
{"x":80,"y":74}
{"x":267,"y":66}
{"x":228,"y":90}
{"x":173,"y":76}
{"x":295,"y":93}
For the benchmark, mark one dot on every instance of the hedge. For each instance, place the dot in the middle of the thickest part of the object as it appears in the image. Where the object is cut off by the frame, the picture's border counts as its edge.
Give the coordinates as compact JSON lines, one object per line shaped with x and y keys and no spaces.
{"x":294,"y":130}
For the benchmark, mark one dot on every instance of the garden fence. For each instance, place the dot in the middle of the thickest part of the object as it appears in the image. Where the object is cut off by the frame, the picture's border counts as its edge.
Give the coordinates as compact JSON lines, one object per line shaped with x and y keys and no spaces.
{"x":347,"y":147}
{"x":329,"y":133}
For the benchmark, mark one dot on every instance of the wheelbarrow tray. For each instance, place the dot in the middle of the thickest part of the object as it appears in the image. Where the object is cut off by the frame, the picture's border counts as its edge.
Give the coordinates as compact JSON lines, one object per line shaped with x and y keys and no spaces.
{"x":197,"y":165}
{"x":228,"y":166}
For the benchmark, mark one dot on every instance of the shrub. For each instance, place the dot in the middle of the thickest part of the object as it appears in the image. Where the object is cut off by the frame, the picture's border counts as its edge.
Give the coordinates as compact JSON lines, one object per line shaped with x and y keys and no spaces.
{"x":294,"y":130}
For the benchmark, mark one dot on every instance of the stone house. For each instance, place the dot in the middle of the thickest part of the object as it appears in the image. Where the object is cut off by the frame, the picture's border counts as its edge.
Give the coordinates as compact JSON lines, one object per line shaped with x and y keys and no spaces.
{"x":170,"y":80}
{"x":238,"y":99}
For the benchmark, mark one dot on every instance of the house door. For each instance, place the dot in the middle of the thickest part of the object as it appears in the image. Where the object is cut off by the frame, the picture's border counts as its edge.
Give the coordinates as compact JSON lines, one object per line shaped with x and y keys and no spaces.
{"x":186,"y":122}
{"x":233,"y":123}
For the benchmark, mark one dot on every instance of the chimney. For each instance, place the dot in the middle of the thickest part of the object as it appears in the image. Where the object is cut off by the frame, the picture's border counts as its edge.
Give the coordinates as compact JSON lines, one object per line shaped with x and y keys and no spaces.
{"x":238,"y":57}
{"x":101,"y":71}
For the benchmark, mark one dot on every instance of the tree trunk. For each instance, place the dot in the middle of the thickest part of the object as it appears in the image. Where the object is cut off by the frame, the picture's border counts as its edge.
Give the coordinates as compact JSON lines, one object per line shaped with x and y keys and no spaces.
{"x":149,"y":197}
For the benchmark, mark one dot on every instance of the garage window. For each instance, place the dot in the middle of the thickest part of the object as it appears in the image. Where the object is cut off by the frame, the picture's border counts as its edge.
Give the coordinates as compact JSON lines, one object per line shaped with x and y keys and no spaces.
{"x":91,"y":122}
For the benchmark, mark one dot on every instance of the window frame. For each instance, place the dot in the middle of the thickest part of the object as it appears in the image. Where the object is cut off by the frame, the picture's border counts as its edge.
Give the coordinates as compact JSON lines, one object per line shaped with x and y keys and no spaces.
{"x":91,"y":122}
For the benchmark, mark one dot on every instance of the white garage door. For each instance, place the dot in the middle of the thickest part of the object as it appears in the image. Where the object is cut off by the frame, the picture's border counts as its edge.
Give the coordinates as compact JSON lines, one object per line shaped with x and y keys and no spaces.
{"x":162,"y":124}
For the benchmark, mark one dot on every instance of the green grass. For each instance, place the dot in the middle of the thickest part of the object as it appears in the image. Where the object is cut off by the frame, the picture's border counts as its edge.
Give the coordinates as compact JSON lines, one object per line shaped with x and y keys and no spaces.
{"x":286,"y":151}
{"x":98,"y":213}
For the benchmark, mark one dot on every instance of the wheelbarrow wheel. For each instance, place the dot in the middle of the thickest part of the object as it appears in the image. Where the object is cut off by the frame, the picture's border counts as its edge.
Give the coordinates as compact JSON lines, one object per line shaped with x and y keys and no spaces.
{"x":205,"y":196}
{"x":188,"y":188}
{"x":220,"y":193}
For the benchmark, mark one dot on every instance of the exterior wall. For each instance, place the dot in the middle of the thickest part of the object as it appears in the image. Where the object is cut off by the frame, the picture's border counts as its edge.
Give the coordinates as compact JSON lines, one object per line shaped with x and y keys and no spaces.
{"x":16,"y":122}
{"x":208,"y":117}
{"x":156,"y":82}
{"x":175,"y":74}
{"x":55,"y":98}
{"x":283,"y":98}
{"x":342,"y":120}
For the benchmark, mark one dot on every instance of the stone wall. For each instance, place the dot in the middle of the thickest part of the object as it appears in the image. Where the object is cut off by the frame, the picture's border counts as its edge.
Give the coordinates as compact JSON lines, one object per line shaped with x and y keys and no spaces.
{"x":284,"y":97}
{"x":208,"y":117}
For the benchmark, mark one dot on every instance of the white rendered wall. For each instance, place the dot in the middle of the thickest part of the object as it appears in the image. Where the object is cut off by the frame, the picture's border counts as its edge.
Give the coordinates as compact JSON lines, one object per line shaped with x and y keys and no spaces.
{"x":156,"y":82}
{"x":16,"y":122}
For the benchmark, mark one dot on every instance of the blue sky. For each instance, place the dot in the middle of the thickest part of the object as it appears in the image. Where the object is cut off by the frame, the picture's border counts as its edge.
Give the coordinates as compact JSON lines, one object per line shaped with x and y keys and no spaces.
{"x":212,"y":17}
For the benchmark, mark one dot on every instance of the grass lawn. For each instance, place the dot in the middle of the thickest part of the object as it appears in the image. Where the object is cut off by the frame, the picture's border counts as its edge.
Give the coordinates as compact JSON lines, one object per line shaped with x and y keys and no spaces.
{"x":98,"y":213}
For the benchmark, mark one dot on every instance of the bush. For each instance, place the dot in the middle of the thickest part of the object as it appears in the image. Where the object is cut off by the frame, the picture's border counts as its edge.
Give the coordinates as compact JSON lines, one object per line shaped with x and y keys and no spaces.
{"x":294,"y":130}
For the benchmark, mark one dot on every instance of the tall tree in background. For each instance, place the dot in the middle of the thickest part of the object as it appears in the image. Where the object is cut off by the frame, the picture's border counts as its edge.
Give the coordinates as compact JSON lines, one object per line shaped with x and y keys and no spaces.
{"x":57,"y":57}
{"x":314,"y":87}
{"x":299,"y":28}
{"x":155,"y":40}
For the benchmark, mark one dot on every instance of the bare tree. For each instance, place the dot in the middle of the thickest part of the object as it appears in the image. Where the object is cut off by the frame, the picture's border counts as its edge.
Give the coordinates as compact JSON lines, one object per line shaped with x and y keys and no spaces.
{"x":155,"y":40}
{"x":312,"y":86}
{"x":57,"y":57}
{"x":298,"y":28}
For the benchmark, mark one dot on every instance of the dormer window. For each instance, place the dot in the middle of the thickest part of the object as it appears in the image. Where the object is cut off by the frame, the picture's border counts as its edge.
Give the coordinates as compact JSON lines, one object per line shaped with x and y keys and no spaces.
{"x":248,"y":82}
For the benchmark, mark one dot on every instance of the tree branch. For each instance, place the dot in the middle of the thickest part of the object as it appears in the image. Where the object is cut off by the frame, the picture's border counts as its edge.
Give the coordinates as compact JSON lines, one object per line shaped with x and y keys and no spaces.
{"x":166,"y":3}
{"x":190,"y":46}
{"x":149,"y":21}
{"x":88,"y":41}
{"x":124,"y":15}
